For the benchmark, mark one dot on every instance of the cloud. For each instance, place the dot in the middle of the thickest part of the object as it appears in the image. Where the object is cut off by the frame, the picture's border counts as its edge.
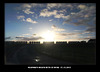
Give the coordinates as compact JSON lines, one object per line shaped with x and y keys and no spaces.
{"x":21,"y":17}
{"x":27,"y":20}
{"x":27,"y":11}
{"x":24,"y":6}
{"x":82,"y":6}
{"x":82,"y":22}
{"x":19,"y":37}
{"x":90,"y":29}
{"x":56,"y":28}
{"x":25,"y":34}
{"x":68,"y":34}
{"x":74,"y":36}
{"x":83,"y":16}
{"x":29,"y":38}
{"x":30,"y":28}
{"x":72,"y":13}
{"x":78,"y":30}
{"x":59,"y":5}
{"x":46,"y":13}
{"x":55,"y":13}
{"x":60,"y":16}
{"x":29,"y":6}
{"x":34,"y":35}
{"x":37,"y":5}
{"x":6,"y":38}
{"x":87,"y":38}
{"x":50,"y":19}
{"x":52,"y":5}
{"x":30,"y":20}
{"x":61,"y":11}
{"x":17,"y":12}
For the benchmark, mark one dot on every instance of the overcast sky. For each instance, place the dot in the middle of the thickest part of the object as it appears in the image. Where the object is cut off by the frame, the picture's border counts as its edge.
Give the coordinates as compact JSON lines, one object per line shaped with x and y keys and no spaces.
{"x":68,"y":21}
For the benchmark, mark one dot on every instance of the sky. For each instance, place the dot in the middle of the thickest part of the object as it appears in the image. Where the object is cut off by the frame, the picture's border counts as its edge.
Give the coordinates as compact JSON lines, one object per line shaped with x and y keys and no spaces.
{"x":50,"y":21}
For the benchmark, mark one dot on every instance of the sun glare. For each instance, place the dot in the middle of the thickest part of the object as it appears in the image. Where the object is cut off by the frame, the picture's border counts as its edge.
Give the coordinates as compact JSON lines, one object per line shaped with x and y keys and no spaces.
{"x":48,"y":36}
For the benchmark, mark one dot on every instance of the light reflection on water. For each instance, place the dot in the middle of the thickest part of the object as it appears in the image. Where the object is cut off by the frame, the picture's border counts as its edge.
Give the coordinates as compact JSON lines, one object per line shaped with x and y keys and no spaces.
{"x":37,"y":59}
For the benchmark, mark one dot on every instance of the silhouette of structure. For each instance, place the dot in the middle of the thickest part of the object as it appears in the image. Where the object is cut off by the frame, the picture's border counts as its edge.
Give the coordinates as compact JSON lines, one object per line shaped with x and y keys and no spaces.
{"x":30,"y":42}
{"x":37,"y":42}
{"x":83,"y":42}
{"x":45,"y":42}
{"x":77,"y":52}
{"x":61,"y":42}
{"x":73,"y":42}
{"x":92,"y":41}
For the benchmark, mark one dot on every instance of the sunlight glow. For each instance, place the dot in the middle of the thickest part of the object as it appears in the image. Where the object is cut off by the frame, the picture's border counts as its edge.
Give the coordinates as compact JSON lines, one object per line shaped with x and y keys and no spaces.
{"x":48,"y":36}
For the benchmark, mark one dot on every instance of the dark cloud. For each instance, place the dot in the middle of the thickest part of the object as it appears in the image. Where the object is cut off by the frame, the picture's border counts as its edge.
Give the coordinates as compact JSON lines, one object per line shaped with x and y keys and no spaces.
{"x":29,"y":6}
{"x":19,"y":37}
{"x":83,"y":16}
{"x":6,"y":38}
{"x":55,"y":28}
{"x":34,"y":34}
{"x":68,"y":34}
{"x":29,"y":38}
{"x":77,"y":36}
{"x":60,"y":5}
{"x":86,"y":17}
{"x":82,"y":22}
{"x":91,"y":29}
{"x":87,"y":38}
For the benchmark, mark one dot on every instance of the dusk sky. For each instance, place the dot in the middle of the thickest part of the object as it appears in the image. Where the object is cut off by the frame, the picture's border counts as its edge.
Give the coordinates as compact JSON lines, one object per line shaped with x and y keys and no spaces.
{"x":50,"y":21}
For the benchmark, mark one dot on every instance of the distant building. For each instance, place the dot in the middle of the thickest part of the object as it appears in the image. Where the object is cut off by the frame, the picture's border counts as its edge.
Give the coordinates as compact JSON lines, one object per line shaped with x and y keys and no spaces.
{"x":30,"y":42}
{"x":22,"y":42}
{"x":82,"y":42}
{"x":73,"y":42}
{"x":9,"y":42}
{"x":37,"y":42}
{"x":61,"y":42}
{"x":48,"y":42}
{"x":92,"y":41}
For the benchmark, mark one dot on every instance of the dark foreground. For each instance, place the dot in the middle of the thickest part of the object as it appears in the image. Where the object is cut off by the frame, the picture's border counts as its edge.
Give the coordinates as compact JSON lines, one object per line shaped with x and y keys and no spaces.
{"x":50,"y":54}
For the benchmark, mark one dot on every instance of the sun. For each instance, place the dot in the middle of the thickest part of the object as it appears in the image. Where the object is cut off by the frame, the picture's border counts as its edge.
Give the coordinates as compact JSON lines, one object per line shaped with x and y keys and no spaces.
{"x":48,"y":36}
